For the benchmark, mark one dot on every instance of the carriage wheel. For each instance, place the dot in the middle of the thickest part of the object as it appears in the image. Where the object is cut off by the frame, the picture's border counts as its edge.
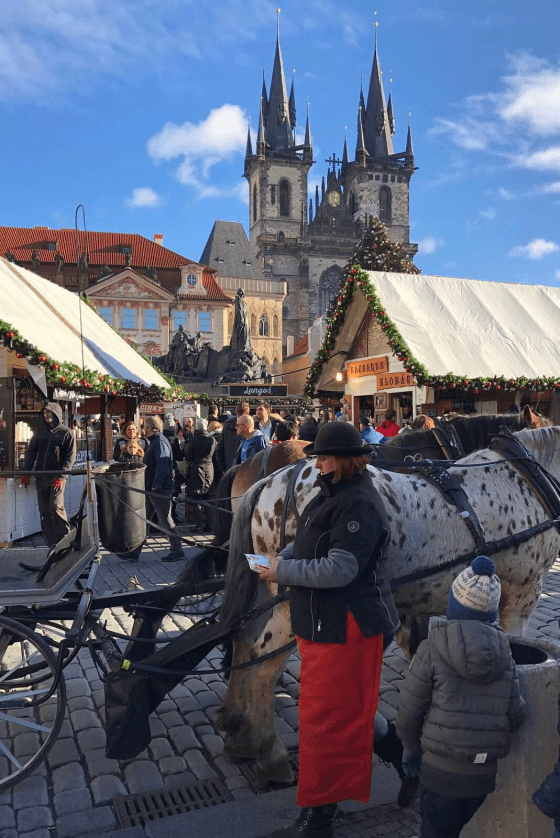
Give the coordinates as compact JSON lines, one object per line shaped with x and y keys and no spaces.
{"x":53,"y":634}
{"x":28,"y":729}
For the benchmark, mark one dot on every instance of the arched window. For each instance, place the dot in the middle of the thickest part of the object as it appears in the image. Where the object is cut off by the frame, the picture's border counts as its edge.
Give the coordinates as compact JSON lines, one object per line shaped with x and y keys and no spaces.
{"x":253,"y":325}
{"x":230,"y":323}
{"x":275,"y":325}
{"x":275,"y":365}
{"x":254,"y":202}
{"x":329,"y":286}
{"x":384,"y":204}
{"x":284,"y":190}
{"x":263,"y":326}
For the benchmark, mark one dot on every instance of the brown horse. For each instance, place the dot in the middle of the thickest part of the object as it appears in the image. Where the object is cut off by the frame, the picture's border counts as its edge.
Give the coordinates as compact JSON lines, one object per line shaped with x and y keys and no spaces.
{"x":238,"y":479}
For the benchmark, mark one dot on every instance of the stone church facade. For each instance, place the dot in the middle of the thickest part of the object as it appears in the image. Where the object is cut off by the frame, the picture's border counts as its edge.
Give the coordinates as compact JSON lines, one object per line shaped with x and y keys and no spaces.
{"x":305,"y":242}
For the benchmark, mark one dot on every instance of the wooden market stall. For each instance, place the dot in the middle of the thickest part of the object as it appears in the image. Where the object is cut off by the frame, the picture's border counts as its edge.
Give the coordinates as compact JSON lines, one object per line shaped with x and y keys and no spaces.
{"x":55,"y":347}
{"x":434,"y":344}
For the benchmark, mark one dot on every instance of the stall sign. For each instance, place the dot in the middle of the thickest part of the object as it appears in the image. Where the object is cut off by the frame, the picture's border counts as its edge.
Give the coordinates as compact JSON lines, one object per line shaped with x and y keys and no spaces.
{"x":395,"y":379}
{"x":151,"y":409}
{"x":367,"y":366}
{"x":258,"y":389}
{"x":66,"y":395}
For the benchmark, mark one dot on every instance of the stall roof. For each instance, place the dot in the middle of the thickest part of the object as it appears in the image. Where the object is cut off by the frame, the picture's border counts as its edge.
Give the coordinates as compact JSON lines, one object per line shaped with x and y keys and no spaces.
{"x":472,"y":327}
{"x":467,"y":327}
{"x":48,"y":316}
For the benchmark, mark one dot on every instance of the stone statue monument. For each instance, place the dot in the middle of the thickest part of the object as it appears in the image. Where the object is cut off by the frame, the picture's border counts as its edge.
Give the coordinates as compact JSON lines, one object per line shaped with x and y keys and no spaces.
{"x":240,"y":335}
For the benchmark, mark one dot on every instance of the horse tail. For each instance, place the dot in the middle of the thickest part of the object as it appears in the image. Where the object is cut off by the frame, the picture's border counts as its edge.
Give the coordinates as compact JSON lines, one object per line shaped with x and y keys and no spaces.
{"x":222,"y":510}
{"x":201,"y":566}
{"x":241,"y":581}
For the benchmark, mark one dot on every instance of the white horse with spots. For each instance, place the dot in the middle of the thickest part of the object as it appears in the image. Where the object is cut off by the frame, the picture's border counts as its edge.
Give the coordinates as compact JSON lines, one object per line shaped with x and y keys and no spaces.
{"x":426,"y":531}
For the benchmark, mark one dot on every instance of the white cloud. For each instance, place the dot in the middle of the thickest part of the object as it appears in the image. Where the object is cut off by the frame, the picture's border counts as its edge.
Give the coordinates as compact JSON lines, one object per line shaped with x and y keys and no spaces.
{"x":532,"y":95}
{"x":505,"y":194}
{"x":429,"y":245}
{"x":548,"y":158}
{"x":202,"y":146}
{"x":536,"y":249}
{"x":143,"y":196}
{"x":557,"y":274}
{"x":489,"y":213}
{"x":550,"y":188}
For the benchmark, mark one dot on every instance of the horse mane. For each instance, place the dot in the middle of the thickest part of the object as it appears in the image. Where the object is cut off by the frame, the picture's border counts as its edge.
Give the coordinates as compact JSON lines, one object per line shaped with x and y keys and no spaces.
{"x":241,"y":581}
{"x":475,"y":432}
{"x":222,"y":508}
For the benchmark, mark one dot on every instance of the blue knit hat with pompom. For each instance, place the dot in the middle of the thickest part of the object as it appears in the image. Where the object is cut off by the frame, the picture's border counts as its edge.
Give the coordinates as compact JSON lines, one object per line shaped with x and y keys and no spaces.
{"x":475,"y":593}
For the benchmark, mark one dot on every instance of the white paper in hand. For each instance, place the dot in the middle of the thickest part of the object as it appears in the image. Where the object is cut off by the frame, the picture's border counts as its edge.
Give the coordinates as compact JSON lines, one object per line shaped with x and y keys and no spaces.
{"x":256,"y":562}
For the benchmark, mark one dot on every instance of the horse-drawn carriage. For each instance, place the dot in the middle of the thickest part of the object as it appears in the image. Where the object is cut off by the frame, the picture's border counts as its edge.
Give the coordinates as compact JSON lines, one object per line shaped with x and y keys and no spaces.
{"x":502,"y":500}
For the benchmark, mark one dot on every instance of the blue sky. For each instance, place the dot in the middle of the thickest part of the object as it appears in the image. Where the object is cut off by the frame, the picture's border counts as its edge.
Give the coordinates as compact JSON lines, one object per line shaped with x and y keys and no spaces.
{"x":138,"y":109}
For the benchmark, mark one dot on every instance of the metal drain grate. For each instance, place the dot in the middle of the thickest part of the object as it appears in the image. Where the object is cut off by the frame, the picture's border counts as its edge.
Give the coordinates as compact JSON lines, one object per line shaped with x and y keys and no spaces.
{"x":248,"y":771}
{"x":138,"y":809}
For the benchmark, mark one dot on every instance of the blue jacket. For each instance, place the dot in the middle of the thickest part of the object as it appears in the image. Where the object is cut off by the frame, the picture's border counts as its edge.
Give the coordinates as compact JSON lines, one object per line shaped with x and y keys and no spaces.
{"x":249,"y":447}
{"x":371,"y":436}
{"x":159,"y":464}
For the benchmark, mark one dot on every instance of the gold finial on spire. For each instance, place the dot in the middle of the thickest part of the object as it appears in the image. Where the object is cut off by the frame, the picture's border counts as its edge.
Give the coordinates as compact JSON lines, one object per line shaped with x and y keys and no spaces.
{"x":278,"y":22}
{"x":375,"y":25}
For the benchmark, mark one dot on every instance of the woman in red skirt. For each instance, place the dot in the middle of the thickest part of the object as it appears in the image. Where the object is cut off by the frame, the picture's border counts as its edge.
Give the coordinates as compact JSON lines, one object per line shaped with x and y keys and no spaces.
{"x":341,"y":606}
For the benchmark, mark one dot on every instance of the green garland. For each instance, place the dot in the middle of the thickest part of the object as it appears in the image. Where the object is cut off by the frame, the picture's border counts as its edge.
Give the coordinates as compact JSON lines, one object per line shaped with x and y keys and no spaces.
{"x":358,"y":278}
{"x":64,"y":374}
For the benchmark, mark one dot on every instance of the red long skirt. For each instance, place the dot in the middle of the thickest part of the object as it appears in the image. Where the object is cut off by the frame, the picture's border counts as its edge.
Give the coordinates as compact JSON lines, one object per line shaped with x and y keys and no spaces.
{"x":339,"y":690}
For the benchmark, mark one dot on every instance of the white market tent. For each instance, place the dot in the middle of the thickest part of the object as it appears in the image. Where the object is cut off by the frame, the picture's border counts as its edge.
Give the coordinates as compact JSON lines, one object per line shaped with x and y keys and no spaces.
{"x":467,"y":327}
{"x":48,"y":316}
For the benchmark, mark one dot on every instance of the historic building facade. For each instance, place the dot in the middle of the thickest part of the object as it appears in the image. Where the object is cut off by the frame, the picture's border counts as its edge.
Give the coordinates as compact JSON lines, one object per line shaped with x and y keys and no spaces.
{"x":306,"y":242}
{"x":143,"y":289}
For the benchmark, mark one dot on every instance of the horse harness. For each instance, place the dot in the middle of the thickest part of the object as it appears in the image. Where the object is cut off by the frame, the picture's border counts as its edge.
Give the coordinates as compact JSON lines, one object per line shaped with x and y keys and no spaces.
{"x":448,"y":439}
{"x":542,"y":483}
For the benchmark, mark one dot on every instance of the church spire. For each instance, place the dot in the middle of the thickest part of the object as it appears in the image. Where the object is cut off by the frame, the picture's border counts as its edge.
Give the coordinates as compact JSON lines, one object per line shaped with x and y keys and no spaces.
{"x":292,"y":104}
{"x":249,"y":146}
{"x":361,"y":151}
{"x":345,"y":158}
{"x":264,"y":101}
{"x":376,"y":120}
{"x":278,"y":134}
{"x":409,"y":148}
{"x":307,"y":147}
{"x":390,"y":114}
{"x":261,"y":142}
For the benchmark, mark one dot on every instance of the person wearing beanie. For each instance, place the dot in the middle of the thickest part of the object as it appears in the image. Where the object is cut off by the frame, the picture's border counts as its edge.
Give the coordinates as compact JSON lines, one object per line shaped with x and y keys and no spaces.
{"x":460,"y":704}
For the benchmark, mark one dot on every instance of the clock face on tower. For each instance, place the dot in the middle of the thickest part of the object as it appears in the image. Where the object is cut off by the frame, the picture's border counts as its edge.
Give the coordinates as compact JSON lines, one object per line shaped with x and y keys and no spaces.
{"x":333,"y":198}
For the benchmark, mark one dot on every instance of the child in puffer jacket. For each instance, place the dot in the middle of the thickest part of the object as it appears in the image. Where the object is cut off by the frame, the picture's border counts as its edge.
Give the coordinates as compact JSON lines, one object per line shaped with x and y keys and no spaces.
{"x":459,"y":704}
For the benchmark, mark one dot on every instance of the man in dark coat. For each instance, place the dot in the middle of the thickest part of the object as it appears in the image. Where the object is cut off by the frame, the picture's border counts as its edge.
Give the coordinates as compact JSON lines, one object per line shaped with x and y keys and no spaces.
{"x":229,"y":441}
{"x":160,"y":481}
{"x":52,"y":448}
{"x":308,"y":429}
{"x":199,"y":453}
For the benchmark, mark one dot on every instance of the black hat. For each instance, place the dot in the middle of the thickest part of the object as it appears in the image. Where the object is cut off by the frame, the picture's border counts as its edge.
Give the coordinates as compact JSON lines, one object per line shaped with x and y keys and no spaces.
{"x":339,"y":438}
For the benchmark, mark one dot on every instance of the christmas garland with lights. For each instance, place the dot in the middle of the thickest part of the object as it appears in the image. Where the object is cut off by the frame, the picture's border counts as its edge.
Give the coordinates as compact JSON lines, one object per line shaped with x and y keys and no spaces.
{"x":358,"y":278}
{"x":68,"y":375}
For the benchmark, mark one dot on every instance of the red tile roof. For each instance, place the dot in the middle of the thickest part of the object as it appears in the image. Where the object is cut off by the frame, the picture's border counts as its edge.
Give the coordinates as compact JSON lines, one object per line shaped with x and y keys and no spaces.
{"x":301,"y":346}
{"x":103,"y":248}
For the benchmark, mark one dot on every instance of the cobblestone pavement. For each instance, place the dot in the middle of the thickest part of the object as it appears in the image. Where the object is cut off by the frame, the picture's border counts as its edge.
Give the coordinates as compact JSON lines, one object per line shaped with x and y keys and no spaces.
{"x":71,"y":795}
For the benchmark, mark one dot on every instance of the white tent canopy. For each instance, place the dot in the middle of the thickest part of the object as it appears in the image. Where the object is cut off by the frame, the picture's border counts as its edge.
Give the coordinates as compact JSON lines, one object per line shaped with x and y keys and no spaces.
{"x":48,"y":316}
{"x":474,"y":328}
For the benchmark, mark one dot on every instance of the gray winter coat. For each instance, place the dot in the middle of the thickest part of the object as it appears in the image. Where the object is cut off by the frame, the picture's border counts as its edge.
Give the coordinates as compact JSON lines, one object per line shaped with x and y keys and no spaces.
{"x":460,"y":697}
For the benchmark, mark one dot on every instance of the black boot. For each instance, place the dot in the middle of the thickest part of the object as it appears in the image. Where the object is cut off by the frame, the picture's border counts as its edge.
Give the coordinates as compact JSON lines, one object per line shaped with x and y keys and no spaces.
{"x":390,"y":750}
{"x":315,"y":822}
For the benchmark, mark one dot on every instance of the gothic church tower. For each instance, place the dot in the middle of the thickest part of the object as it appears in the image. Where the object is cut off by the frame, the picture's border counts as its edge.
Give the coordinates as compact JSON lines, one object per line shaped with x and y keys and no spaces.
{"x":307,"y":246}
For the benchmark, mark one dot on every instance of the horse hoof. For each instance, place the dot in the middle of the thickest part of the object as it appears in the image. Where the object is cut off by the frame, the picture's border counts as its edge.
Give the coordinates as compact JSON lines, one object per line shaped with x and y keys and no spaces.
{"x":234,"y":756}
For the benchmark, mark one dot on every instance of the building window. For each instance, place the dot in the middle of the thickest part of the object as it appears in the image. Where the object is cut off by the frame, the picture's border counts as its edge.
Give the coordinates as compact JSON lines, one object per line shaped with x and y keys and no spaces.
{"x":275,"y":365}
{"x":230,"y":323}
{"x":126,"y":248}
{"x":384,"y":204}
{"x":106,"y":314}
{"x":263,"y":326}
{"x":253,"y":325}
{"x":127,"y":318}
{"x":284,"y":198}
{"x":275,"y":325}
{"x":273,"y":195}
{"x":254,"y":202}
{"x":204,"y":321}
{"x":329,"y":286}
{"x":179,"y":319}
{"x":192,"y":280}
{"x":150,"y":319}
{"x":51,"y":246}
{"x":385,"y":178}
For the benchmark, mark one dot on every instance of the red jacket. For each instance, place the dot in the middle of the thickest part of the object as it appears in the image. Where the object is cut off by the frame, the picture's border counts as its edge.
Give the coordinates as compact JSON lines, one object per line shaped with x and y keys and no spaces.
{"x":388,"y":428}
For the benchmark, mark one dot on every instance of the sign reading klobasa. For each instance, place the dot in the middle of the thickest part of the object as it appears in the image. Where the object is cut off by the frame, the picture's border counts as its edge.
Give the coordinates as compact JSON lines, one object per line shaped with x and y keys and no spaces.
{"x":395,"y":379}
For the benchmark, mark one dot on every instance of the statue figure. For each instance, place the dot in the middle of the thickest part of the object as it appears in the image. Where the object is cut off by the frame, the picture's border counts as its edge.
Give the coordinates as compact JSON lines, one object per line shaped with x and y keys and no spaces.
{"x":35,"y":262}
{"x":59,"y":261}
{"x":151,"y":273}
{"x":179,"y":337}
{"x":128,"y":260}
{"x":105,"y":271}
{"x":240,"y":335}
{"x":10,"y":256}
